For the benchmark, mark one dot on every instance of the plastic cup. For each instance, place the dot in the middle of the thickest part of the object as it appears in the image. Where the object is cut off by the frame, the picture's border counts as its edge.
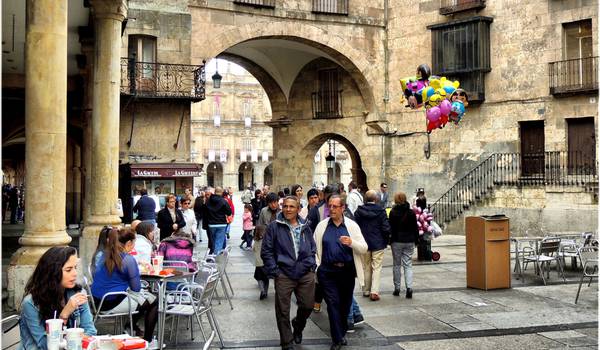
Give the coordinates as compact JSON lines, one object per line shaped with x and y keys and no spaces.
{"x":74,"y":338}
{"x":54,"y":328}
{"x":157,"y":263}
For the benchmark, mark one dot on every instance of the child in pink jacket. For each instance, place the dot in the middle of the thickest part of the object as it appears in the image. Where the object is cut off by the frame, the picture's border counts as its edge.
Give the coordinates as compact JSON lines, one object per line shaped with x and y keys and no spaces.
{"x":248,"y":227}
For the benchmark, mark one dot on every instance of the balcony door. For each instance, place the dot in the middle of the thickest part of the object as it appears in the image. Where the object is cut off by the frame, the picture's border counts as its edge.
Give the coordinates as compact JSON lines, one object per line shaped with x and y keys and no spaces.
{"x":581,"y":145}
{"x":578,"y":48}
{"x":532,"y":148}
{"x":142,"y":50}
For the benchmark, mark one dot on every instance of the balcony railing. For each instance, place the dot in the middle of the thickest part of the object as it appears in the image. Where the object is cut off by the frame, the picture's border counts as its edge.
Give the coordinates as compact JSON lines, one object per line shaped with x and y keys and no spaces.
{"x":555,"y":169}
{"x":448,"y":7}
{"x":332,"y":7}
{"x":256,"y":3}
{"x":578,"y":75}
{"x":162,"y":80}
{"x":327,"y":104}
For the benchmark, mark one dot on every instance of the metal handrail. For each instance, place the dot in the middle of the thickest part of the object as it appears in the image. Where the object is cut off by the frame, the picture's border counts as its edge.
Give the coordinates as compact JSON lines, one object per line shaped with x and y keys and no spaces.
{"x":553,"y":168}
{"x":573,"y":75}
{"x":162,"y":80}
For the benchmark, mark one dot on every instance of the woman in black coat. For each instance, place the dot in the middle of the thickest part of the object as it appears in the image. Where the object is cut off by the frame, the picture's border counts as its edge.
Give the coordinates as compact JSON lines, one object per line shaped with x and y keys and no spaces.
{"x":169,"y":219}
{"x":405,"y":234}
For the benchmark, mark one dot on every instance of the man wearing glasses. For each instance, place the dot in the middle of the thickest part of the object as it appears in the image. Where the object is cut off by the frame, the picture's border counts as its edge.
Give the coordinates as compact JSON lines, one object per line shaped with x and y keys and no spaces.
{"x":383,"y":195}
{"x":340,"y":245}
{"x":288,"y":254}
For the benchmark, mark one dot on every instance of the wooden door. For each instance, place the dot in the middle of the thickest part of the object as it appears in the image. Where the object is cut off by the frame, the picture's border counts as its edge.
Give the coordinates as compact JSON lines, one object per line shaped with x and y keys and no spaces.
{"x":532,"y":148}
{"x":581,"y":140}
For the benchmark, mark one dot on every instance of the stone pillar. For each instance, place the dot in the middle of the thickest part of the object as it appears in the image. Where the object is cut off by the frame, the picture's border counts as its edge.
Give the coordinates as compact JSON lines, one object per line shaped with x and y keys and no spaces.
{"x":104,"y":172}
{"x":46,"y":140}
{"x":77,"y":183}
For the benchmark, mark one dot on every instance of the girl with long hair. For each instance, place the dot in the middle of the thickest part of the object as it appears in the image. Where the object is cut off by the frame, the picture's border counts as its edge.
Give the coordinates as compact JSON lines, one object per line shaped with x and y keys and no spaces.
{"x":102,"y":238}
{"x":52,"y":292}
{"x":118,"y":271}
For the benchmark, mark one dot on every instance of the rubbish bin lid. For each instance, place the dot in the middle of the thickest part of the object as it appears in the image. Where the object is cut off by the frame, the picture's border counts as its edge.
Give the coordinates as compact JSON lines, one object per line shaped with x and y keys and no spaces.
{"x":495,"y":217}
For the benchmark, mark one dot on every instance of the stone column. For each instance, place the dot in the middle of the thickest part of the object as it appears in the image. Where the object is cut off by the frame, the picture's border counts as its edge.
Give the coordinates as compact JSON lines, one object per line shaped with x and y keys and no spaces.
{"x":104,"y":172}
{"x":46,"y":140}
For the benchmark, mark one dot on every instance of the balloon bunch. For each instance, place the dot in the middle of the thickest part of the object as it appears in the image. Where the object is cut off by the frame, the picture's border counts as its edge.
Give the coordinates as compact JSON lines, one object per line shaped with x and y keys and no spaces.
{"x":436,"y":98}
{"x":424,"y":218}
{"x":442,"y":99}
{"x":425,"y":223}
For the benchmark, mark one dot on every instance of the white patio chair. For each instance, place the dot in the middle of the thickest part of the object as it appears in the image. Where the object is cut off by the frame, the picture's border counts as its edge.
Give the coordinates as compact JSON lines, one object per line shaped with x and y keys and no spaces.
{"x":589,"y":260}
{"x":548,"y":251}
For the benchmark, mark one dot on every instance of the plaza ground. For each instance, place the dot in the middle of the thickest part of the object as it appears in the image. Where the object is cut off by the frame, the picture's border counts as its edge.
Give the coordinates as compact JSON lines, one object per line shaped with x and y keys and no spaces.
{"x":443,"y":313}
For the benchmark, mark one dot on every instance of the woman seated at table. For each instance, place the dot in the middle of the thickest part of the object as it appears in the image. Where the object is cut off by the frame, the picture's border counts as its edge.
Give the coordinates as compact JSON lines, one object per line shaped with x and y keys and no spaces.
{"x":96,"y":257}
{"x":52,"y":292}
{"x":180,"y":247}
{"x":117,"y":272}
{"x":144,"y":242}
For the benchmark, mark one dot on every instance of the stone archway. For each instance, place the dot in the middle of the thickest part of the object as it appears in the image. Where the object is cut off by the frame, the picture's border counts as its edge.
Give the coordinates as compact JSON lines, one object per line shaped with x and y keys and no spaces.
{"x":214,"y":174}
{"x":358,"y":174}
{"x":245,"y":175}
{"x":332,"y":46}
{"x":268,"y":175}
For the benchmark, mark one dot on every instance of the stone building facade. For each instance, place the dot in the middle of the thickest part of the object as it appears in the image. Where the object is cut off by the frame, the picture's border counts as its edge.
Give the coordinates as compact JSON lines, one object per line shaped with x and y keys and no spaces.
{"x":331,"y":71}
{"x":517,"y":106}
{"x":229,"y":134}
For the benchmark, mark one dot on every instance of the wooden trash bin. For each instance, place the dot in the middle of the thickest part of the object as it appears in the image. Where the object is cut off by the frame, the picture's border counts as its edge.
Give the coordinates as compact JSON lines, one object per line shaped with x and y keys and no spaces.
{"x":488,"y":252}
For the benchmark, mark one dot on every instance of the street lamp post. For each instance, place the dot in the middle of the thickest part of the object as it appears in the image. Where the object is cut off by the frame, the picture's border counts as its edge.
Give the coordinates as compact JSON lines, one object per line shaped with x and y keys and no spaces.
{"x":330,"y":161}
{"x":216,"y":78}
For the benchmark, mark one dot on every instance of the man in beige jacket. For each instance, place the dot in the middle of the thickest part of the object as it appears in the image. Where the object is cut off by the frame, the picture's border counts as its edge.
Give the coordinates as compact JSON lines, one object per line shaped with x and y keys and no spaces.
{"x":340,"y":245}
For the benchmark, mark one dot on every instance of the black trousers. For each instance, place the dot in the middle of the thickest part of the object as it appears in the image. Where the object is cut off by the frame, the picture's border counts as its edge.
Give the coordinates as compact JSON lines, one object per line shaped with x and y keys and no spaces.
{"x":338,"y":286}
{"x":304,"y":289}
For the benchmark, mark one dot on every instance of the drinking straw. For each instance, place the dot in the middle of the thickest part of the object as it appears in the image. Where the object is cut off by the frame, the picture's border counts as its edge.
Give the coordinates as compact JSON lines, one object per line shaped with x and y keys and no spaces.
{"x":55,"y":314}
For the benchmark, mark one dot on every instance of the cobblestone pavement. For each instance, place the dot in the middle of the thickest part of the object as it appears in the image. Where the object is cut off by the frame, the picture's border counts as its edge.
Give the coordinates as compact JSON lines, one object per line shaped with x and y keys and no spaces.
{"x":443,"y":313}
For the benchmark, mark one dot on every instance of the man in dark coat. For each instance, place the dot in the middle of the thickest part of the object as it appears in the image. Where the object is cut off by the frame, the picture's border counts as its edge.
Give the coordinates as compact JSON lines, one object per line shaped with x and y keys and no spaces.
{"x":288,"y":252}
{"x":375,"y":227}
{"x":217,"y":211}
{"x":145,"y":207}
{"x":169,"y":219}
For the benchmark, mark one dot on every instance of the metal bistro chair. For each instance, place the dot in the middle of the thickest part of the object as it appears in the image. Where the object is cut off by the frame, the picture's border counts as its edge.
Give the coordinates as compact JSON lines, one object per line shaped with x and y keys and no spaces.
{"x":195,"y":299}
{"x":589,"y":260}
{"x":107,"y":314}
{"x":11,"y":336}
{"x":548,"y":251}
{"x":220,"y":263}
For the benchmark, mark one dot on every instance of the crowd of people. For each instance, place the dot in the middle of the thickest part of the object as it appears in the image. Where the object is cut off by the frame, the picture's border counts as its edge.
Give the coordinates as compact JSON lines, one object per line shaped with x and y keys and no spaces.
{"x":13,"y":200}
{"x":315,"y":246}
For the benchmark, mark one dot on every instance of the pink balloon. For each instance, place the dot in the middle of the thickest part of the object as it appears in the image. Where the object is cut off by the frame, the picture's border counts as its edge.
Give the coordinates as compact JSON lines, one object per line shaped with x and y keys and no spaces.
{"x":433,"y":114}
{"x":445,"y":107}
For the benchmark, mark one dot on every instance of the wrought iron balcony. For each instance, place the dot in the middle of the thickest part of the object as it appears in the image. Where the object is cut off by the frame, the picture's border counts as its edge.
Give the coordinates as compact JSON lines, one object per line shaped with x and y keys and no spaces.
{"x":573,"y":76}
{"x":162,"y":80}
{"x":332,"y":7}
{"x":448,"y":7}
{"x":327,"y":104}
{"x":256,"y":3}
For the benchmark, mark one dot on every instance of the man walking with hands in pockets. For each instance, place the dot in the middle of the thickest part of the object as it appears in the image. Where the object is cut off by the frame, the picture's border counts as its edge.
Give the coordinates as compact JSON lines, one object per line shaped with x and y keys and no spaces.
{"x":288,"y":254}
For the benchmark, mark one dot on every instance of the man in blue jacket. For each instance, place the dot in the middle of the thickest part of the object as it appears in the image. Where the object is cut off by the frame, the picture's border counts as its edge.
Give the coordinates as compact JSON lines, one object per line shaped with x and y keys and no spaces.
{"x":375,"y":227}
{"x":288,"y":253}
{"x":145,"y":208}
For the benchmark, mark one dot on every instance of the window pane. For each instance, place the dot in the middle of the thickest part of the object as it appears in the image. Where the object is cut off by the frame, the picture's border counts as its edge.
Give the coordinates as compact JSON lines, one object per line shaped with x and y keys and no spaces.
{"x":576,"y":44}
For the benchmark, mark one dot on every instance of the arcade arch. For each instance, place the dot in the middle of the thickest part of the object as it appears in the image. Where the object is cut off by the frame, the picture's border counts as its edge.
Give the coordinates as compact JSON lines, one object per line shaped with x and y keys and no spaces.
{"x":214,"y":174}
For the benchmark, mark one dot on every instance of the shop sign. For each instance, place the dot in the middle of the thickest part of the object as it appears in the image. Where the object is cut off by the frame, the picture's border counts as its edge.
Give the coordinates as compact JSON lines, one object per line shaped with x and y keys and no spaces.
{"x":164,"y":172}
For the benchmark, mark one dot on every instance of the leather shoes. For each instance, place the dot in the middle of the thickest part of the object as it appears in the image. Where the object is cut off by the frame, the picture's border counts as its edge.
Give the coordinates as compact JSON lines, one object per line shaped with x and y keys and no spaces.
{"x":408,"y":293}
{"x":287,"y":347}
{"x":297,"y":334}
{"x":335,"y":347}
{"x":344,"y":342}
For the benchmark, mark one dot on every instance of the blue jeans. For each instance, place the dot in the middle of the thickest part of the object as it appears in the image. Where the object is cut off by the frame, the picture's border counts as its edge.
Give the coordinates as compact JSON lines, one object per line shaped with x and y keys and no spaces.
{"x":354,"y":310}
{"x":218,"y":232}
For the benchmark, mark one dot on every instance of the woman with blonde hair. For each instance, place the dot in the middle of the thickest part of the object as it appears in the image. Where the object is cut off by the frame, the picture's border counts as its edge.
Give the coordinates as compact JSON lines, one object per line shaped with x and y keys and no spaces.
{"x":404,"y":235}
